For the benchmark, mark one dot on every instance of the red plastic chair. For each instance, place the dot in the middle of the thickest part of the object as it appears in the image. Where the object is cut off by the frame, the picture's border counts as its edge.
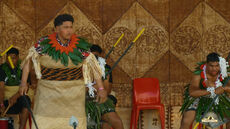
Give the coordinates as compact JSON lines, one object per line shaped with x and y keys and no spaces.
{"x":146,"y":95}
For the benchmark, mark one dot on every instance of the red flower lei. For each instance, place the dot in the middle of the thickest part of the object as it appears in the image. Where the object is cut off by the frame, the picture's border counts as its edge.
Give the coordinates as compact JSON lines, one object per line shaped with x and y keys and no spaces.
{"x":67,"y":49}
{"x":203,"y":75}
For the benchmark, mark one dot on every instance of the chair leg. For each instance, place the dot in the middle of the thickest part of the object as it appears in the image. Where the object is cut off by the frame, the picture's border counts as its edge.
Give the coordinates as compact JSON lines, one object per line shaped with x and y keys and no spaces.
{"x":132,"y":118}
{"x":162,"y":117}
{"x":136,"y":117}
{"x":30,"y":121}
{"x":131,"y":121}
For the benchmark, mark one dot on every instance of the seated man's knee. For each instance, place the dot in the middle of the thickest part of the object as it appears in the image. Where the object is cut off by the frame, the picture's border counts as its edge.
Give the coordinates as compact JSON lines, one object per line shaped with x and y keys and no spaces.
{"x":24,"y":100}
{"x":119,"y":121}
{"x":116,"y":120}
{"x":187,"y":121}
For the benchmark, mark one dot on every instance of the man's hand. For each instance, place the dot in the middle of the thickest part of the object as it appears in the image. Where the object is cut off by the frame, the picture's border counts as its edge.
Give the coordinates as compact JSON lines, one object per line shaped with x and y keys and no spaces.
{"x":25,"y":72}
{"x":23,"y":89}
{"x":101,"y":96}
{"x":33,"y":86}
{"x":101,"y":92}
{"x":219,"y":90}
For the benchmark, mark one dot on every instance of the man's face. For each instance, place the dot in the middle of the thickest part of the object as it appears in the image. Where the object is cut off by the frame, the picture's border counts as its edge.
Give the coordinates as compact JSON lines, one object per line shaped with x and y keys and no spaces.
{"x":213,"y":68}
{"x":14,"y":59}
{"x":65,"y":30}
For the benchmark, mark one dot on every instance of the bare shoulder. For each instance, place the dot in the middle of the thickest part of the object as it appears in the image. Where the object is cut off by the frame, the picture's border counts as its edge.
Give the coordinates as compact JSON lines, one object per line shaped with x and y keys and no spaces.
{"x":195,"y":81}
{"x":196,"y":78}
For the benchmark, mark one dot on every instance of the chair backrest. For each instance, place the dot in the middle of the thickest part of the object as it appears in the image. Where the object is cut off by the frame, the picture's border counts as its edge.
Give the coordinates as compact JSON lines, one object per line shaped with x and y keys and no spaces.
{"x":146,"y":91}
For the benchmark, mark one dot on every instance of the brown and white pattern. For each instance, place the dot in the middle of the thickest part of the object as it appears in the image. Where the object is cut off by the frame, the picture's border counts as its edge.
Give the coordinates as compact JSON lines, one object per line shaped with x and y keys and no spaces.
{"x":178,"y":34}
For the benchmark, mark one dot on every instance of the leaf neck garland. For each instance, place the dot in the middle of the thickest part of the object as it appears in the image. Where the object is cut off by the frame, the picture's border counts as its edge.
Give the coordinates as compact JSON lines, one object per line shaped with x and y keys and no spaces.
{"x":12,"y":81}
{"x":75,"y":50}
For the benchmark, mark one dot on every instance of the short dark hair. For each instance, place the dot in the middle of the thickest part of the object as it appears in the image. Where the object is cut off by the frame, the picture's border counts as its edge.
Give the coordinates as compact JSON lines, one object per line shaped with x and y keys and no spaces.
{"x":13,"y":51}
{"x":96,"y":48}
{"x":213,"y":57}
{"x":62,"y":18}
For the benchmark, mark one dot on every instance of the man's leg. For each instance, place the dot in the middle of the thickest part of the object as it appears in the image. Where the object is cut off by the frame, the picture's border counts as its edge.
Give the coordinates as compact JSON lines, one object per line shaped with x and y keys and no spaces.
{"x":18,"y":108}
{"x":113,"y":119}
{"x":23,"y":115}
{"x":105,"y":125}
{"x":24,"y":112}
{"x":187,"y":119}
{"x":228,"y":125}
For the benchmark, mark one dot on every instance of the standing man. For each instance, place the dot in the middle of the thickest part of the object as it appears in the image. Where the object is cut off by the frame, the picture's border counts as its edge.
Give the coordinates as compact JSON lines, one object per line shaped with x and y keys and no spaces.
{"x":64,"y":67}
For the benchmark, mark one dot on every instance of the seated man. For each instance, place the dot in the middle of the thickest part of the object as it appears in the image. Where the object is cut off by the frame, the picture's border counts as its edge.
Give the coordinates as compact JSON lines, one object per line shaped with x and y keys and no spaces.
{"x":210,"y":79}
{"x":9,"y":85}
{"x":110,"y":117}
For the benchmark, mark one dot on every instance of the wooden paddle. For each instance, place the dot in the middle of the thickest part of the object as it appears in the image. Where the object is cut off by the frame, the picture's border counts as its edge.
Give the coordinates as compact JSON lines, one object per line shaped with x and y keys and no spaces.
{"x":4,"y":113}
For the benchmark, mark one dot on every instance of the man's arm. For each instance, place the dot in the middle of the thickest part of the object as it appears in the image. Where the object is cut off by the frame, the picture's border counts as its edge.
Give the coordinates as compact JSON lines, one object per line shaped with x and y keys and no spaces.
{"x":108,"y":85}
{"x":109,"y":80}
{"x":102,"y":94}
{"x":194,"y":89}
{"x":25,"y":73}
{"x":2,"y":84}
{"x":33,"y":79}
{"x":2,"y":107}
{"x":1,"y":92}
